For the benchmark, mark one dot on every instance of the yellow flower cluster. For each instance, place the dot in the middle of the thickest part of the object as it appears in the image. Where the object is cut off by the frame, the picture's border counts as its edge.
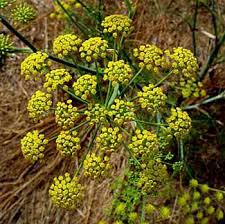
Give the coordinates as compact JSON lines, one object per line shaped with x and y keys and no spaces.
{"x":55,"y":78}
{"x":122,"y":111}
{"x":66,"y":192}
{"x":184,"y":67}
{"x":23,"y":13}
{"x":144,"y":144}
{"x":199,"y":206}
{"x":96,"y":114}
{"x":85,"y":86}
{"x":95,"y":166}
{"x":152,"y":99}
{"x":93,"y":49}
{"x":150,"y":57}
{"x":153,"y":176}
{"x":66,"y":114}
{"x":68,"y":5}
{"x":39,"y":105}
{"x":118,"y":72}
{"x":5,"y":45}
{"x":35,"y":64}
{"x":117,"y":25}
{"x":33,"y":145}
{"x":66,"y":44}
{"x":109,"y":139}
{"x":179,"y":123}
{"x":68,"y":142}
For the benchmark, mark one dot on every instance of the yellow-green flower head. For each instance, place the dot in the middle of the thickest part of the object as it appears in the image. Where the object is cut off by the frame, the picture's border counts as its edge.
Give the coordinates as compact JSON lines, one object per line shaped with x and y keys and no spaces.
{"x":66,"y":44}
{"x":35,"y":64}
{"x":23,"y":13}
{"x":93,"y":49}
{"x":150,"y":57}
{"x":219,"y":214}
{"x":165,"y":212}
{"x":39,"y":105}
{"x":109,"y":139}
{"x":120,"y":209}
{"x":118,"y":72}
{"x":4,"y":3}
{"x":96,"y":167}
{"x":66,"y":114}
{"x":68,"y":142}
{"x":144,"y":144}
{"x":85,"y":86}
{"x":150,"y":208}
{"x":122,"y":111}
{"x":96,"y":114}
{"x":117,"y":25}
{"x":55,"y":78}
{"x":152,"y":99}
{"x":153,"y":176}
{"x":33,"y":145}
{"x":5,"y":45}
{"x":66,"y":192}
{"x":179,"y":123}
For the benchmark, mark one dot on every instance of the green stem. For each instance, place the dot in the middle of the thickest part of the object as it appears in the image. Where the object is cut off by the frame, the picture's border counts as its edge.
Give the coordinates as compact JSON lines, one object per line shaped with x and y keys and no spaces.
{"x":91,"y":143}
{"x":164,"y":78}
{"x":114,"y":95}
{"x":209,"y":100}
{"x":72,"y":129}
{"x":108,"y":93}
{"x":73,"y":95}
{"x":193,"y":28}
{"x":151,"y":123}
{"x":131,"y":81}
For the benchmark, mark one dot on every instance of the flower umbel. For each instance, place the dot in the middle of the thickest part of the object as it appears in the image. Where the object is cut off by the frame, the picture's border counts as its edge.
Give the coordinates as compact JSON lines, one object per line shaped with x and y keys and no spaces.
{"x":95,"y":166}
{"x":93,"y":49}
{"x":109,"y":139}
{"x":117,"y":25}
{"x":68,"y":142}
{"x":85,"y":86}
{"x":179,"y":123}
{"x":66,"y":44}
{"x":118,"y":72}
{"x":35,"y":64}
{"x":152,"y":98}
{"x":33,"y":145}
{"x":23,"y":13}
{"x":55,"y":78}
{"x":5,"y":45}
{"x":39,"y":105}
{"x":66,"y":114}
{"x":66,"y":192}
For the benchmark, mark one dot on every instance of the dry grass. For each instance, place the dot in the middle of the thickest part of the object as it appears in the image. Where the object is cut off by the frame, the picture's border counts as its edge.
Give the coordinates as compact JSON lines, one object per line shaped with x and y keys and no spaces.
{"x":23,"y":186}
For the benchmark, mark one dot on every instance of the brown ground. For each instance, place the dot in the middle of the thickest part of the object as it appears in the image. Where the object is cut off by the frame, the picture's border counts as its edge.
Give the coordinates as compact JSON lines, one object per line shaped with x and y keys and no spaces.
{"x":23,"y":186}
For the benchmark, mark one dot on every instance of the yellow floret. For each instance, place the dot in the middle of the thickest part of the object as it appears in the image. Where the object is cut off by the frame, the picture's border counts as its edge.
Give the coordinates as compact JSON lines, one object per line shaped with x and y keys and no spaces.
{"x":39,"y":105}
{"x":33,"y":146}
